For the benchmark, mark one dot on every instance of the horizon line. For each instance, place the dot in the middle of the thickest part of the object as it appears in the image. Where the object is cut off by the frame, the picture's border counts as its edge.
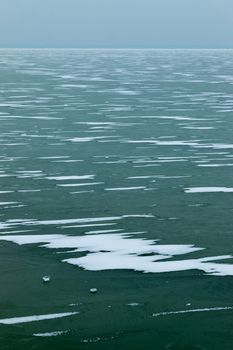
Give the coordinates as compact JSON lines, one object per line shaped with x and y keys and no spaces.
{"x":114,"y":48}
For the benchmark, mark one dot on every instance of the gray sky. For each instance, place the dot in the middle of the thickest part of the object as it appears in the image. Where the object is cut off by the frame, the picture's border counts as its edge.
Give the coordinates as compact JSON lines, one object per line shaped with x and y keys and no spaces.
{"x":117,"y":23}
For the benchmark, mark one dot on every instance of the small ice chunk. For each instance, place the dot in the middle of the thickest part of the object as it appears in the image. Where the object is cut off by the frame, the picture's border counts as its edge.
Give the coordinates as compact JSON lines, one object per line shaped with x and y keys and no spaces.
{"x":133,"y":304}
{"x":46,"y":279}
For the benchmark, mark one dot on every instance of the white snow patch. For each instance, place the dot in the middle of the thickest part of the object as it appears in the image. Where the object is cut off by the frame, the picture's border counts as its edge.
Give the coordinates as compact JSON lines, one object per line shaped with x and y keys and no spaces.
{"x":208,"y":189}
{"x":50,"y":334}
{"x":207,"y":309}
{"x":75,"y":177}
{"x":17,"y":320}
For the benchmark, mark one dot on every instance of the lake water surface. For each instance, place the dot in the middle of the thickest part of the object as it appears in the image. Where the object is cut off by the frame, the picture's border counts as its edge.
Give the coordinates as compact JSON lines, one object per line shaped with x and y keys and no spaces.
{"x":116,"y":174}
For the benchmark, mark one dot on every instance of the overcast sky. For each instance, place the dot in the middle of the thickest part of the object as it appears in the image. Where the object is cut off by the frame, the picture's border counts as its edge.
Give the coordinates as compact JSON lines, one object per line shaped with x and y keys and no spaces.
{"x":117,"y":23}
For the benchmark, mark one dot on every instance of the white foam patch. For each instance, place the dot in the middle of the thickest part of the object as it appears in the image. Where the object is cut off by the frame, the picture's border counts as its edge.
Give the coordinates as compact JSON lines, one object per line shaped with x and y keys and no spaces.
{"x":208,"y":189}
{"x":35,"y":318}
{"x":207,"y":309}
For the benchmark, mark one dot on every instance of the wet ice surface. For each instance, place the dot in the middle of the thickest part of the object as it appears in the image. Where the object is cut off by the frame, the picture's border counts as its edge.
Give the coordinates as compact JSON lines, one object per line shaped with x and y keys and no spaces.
{"x":118,"y":160}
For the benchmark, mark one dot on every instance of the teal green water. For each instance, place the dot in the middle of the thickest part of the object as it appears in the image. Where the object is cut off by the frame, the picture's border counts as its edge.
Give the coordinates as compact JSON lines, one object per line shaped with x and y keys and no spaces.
{"x":123,"y":159}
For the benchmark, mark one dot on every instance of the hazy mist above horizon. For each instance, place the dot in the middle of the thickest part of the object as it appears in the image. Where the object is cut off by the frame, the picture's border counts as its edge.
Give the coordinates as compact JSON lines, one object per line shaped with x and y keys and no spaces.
{"x":116,"y":23}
